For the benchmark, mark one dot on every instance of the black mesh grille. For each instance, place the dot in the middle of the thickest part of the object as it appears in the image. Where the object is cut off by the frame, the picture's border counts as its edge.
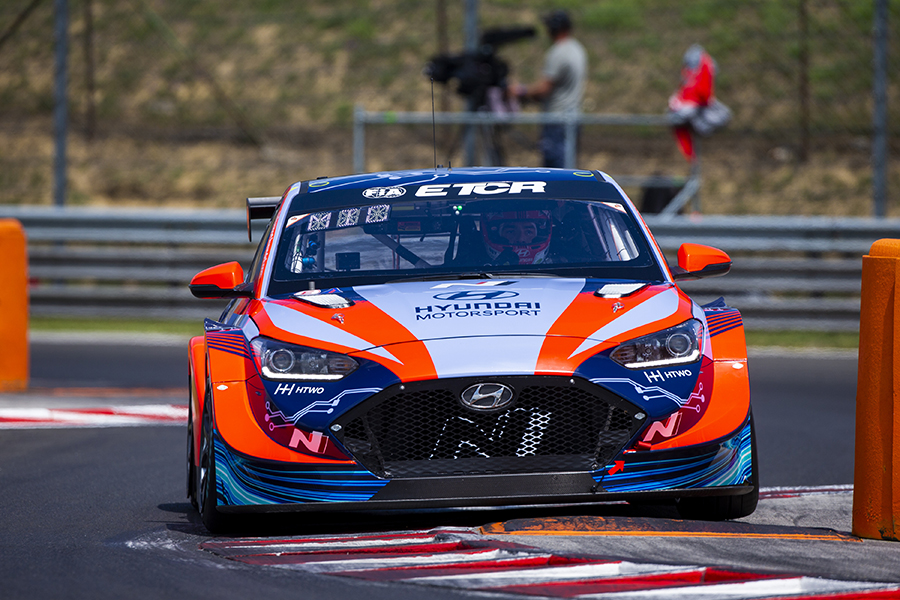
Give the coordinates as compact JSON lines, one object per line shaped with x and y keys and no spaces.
{"x":552,"y":426}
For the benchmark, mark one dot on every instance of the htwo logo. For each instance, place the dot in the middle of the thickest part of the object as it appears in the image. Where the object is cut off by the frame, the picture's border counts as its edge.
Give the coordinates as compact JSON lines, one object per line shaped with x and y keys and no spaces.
{"x":293,"y":388}
{"x":657,"y":375}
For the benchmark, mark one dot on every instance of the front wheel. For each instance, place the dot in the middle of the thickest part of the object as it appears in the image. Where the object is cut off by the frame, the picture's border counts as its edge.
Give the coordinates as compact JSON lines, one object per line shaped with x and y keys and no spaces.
{"x":191,"y":469}
{"x":722,"y":508}
{"x":213,"y":520}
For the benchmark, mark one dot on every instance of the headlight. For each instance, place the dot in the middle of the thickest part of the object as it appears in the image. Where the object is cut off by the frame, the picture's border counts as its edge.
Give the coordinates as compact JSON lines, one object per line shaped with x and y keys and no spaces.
{"x":674,"y":346}
{"x":279,"y":360}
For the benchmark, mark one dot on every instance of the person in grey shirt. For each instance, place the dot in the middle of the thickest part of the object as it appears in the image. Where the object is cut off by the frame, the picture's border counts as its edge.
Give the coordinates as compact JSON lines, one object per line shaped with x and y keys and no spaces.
{"x":561,"y":86}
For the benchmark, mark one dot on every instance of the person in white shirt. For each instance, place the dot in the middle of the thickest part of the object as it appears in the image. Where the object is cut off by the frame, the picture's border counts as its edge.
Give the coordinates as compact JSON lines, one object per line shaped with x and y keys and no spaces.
{"x":561,"y":86}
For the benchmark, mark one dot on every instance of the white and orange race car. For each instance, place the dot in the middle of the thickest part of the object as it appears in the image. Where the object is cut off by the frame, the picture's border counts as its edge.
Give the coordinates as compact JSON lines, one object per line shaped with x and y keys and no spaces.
{"x":466,"y":337}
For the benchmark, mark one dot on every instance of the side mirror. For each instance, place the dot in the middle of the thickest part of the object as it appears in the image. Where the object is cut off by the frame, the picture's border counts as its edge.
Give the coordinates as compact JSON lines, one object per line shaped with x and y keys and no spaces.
{"x":696,"y":261}
{"x":221,"y":281}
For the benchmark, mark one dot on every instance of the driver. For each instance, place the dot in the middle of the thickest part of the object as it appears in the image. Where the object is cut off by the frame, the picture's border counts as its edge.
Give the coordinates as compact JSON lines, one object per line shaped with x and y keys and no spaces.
{"x":517,"y":237}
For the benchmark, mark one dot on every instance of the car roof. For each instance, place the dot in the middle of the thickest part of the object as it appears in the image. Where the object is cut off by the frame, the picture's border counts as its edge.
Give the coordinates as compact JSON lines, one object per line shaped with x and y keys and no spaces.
{"x":334,"y":192}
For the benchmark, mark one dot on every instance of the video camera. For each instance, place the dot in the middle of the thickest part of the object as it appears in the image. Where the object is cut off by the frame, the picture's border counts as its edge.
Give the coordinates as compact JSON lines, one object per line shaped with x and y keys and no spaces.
{"x":478,"y":70}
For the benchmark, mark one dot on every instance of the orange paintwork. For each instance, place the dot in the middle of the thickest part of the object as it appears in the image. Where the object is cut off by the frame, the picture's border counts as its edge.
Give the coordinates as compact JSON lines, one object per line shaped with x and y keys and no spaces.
{"x":197,"y":358}
{"x":235,"y":423}
{"x":695,"y":257}
{"x":225,"y":366}
{"x":225,"y":276}
{"x":232,"y":379}
{"x":381,"y":331}
{"x":726,"y":412}
{"x":588,"y":313}
{"x":730,"y":345}
{"x":553,"y":359}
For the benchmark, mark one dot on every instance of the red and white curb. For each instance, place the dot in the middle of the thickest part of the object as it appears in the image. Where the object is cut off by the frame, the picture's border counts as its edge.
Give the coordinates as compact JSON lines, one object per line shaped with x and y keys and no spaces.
{"x":450,"y":558}
{"x":113,"y":416}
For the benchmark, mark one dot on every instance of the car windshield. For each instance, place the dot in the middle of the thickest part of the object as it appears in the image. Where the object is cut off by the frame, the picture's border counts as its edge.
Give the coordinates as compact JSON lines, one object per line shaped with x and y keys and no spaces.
{"x":477,"y":237}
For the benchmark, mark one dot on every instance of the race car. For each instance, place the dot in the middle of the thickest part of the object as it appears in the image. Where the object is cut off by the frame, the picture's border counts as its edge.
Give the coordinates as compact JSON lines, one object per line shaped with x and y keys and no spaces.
{"x":473,"y":337}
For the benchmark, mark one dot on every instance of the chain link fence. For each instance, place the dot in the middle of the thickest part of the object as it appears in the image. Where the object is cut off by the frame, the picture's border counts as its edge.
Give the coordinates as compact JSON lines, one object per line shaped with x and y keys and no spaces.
{"x":202,"y":103}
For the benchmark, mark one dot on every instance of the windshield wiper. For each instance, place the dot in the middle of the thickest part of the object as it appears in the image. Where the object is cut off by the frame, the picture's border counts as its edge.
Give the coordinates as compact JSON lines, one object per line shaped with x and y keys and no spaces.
{"x":479,"y":275}
{"x":442,"y":276}
{"x":524,"y":274}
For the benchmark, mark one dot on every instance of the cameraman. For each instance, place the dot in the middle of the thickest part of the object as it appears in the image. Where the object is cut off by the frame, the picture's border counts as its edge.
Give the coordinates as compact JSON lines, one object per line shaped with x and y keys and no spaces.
{"x":561,"y":86}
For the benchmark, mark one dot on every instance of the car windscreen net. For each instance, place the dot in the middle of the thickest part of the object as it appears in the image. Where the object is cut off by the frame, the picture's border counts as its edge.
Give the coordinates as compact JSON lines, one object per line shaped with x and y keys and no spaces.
{"x":383,"y":242}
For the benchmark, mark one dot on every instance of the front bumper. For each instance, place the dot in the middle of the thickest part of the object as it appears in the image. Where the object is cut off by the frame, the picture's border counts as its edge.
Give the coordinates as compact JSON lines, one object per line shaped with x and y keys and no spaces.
{"x":246,"y":484}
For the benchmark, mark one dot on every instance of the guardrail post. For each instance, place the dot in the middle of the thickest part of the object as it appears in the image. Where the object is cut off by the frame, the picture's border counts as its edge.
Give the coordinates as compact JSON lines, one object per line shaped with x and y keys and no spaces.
{"x":13,"y":307}
{"x":876,"y":472}
{"x":571,"y":148}
{"x":359,"y":139}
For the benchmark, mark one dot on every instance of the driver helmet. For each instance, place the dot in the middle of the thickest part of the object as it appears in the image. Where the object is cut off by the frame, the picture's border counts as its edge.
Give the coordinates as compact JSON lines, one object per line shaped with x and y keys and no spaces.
{"x":526,"y":233}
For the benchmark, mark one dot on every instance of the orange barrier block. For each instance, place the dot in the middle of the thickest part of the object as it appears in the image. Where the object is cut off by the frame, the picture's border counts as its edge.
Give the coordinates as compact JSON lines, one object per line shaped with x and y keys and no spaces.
{"x":13,"y":307}
{"x":876,"y":474}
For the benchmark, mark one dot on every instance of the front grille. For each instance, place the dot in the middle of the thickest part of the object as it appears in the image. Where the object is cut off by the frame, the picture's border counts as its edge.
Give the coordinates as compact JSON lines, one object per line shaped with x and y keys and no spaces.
{"x":553,"y":425}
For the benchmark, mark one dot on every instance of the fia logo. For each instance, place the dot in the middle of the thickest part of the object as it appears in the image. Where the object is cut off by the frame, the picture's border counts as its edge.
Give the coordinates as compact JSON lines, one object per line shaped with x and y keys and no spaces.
{"x":384,"y":192}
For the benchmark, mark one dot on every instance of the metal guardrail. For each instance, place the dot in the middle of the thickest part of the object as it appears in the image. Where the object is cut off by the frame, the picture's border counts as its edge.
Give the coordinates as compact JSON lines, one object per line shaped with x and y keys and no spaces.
{"x":788,"y":273}
{"x":690,"y":186}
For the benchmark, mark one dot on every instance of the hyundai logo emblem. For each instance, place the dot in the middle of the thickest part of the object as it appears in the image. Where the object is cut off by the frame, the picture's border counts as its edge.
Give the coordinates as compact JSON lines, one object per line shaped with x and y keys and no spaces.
{"x":475,"y":295}
{"x":486,"y":396}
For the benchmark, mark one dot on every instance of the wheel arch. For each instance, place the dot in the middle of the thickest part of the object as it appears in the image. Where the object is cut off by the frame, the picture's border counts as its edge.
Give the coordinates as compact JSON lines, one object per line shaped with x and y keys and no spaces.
{"x":198,"y":369}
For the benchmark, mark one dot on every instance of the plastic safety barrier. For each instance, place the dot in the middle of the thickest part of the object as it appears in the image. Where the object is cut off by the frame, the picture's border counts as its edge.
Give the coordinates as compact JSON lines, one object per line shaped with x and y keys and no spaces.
{"x":13,"y":307}
{"x":876,"y":473}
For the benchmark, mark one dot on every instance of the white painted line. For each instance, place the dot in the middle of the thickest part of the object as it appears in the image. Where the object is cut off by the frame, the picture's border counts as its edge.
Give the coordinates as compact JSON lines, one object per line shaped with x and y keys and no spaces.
{"x":306,"y":553}
{"x":409,"y":560}
{"x":550,"y":574}
{"x":115,"y":416}
{"x":762,"y":588}
{"x":333,"y":544}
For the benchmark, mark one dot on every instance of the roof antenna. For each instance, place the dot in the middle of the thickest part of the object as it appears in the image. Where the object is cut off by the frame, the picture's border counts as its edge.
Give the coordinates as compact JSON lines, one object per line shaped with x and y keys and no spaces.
{"x":433,"y":128}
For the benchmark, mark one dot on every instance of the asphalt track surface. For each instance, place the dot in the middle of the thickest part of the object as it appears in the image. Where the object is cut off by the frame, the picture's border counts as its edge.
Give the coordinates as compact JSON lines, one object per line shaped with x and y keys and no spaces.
{"x":101,"y":513}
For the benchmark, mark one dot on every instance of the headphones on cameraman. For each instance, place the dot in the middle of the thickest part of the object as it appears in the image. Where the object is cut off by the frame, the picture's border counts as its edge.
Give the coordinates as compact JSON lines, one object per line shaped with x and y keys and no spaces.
{"x":557,"y":21}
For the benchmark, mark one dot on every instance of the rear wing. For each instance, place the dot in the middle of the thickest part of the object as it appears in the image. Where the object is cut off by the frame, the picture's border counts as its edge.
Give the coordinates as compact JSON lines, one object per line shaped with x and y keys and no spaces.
{"x":262,"y":207}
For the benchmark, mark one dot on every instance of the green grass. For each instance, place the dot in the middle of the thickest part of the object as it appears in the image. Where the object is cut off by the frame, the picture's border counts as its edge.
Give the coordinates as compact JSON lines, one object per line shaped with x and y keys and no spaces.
{"x":788,"y":339}
{"x":804,"y":339}
{"x":56,"y":324}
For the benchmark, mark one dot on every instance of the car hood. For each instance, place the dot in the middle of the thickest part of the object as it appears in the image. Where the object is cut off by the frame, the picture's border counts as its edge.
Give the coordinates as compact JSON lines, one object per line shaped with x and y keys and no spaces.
{"x":458,"y":328}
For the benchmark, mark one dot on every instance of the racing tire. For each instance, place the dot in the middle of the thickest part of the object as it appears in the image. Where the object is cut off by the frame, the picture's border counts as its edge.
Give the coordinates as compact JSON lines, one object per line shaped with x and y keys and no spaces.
{"x":191,"y":470}
{"x":213,"y":520}
{"x":723,"y":508}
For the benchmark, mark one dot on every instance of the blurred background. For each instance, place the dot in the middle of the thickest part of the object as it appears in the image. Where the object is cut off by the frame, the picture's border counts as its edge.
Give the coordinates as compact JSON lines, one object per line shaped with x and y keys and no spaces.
{"x":175,"y":111}
{"x":201,"y":103}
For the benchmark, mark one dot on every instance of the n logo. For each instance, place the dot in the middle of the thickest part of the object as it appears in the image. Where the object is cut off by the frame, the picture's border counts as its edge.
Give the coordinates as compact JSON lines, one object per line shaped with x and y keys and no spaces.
{"x":315,"y":442}
{"x":666,"y":430}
